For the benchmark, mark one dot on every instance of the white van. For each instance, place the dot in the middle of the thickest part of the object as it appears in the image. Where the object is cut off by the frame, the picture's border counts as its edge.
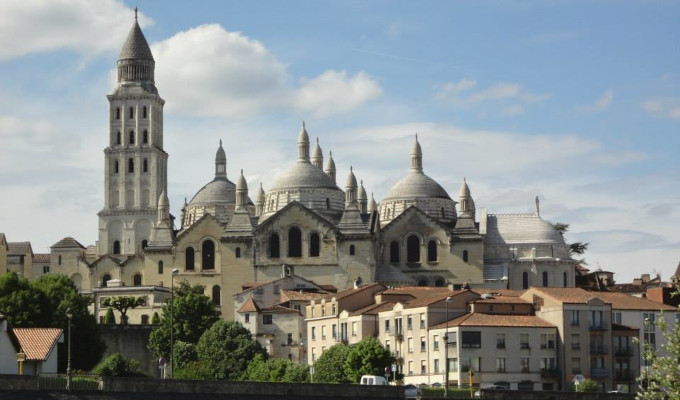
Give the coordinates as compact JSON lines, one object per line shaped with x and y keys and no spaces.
{"x":373,"y":380}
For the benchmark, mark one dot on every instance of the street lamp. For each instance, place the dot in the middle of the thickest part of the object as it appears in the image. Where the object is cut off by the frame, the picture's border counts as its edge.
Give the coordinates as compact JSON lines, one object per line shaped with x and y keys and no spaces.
{"x":446,"y":350}
{"x":172,"y":327}
{"x":69,"y":314}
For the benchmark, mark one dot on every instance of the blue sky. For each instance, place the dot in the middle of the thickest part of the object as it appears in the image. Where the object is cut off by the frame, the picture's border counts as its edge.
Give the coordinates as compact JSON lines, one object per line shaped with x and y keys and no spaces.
{"x":576,"y":102}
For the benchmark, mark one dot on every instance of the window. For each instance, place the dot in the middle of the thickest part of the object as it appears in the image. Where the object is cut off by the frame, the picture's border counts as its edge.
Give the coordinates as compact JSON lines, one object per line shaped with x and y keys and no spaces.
{"x":439,"y":282}
{"x":576,"y":365}
{"x":436,"y":366}
{"x":115,"y":167}
{"x":354,"y":328}
{"x":524,"y":364}
{"x":500,"y":340}
{"x":313,"y":355}
{"x":410,"y":345}
{"x":208,"y":254}
{"x":137,"y":280}
{"x":274,"y":246}
{"x":410,"y":367}
{"x":575,"y":318}
{"x":616,"y":317}
{"x":525,"y":280}
{"x":237,"y":252}
{"x":453,"y":364}
{"x":117,"y":112}
{"x":387,"y":325}
{"x":105,"y":279}
{"x":132,"y":137}
{"x":409,"y":322}
{"x":131,"y":112}
{"x":548,"y":364}
{"x":116,"y":247}
{"x":323,"y":332}
{"x":565,"y":279}
{"x":144,"y":112}
{"x":595,"y":321}
{"x":314,"y":333}
{"x":525,"y":385}
{"x":314,"y":245}
{"x":649,"y":329}
{"x":524,"y":341}
{"x":352,"y":250}
{"x":423,"y":343}
{"x":334,"y":331}
{"x":467,"y":364}
{"x":59,"y":262}
{"x":328,"y":202}
{"x":545,"y":278}
{"x":413,"y":249}
{"x":465,"y":256}
{"x":289,"y":339}
{"x":119,"y":140}
{"x":267,"y":319}
{"x":216,"y":295}
{"x":246,"y":318}
{"x":423,"y":367}
{"x":547,"y":341}
{"x":575,"y":341}
{"x":500,"y":364}
{"x":432,"y":251}
{"x":131,"y":165}
{"x":189,"y":259}
{"x":145,"y":137}
{"x":160,"y":268}
{"x":294,"y":242}
{"x":46,"y":269}
{"x":145,"y":243}
{"x":387,"y":344}
{"x":422,"y":321}
{"x":394,"y":252}
{"x":472,"y":339}
{"x":422,"y":282}
{"x":435,"y":342}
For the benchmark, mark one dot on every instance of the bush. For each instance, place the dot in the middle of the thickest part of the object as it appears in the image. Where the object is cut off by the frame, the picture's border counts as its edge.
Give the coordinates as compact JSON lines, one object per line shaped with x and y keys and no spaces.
{"x":117,"y":365}
{"x":110,"y":319}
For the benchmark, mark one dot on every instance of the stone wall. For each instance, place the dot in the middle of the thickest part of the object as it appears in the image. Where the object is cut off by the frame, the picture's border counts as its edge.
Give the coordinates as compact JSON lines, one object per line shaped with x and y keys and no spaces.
{"x":543,"y":395}
{"x":130,"y":341}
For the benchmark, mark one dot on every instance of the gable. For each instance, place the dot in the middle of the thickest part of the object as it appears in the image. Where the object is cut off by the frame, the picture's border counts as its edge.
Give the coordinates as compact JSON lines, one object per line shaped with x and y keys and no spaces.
{"x":414,"y":220}
{"x":296,"y":214}
{"x":207,"y":225}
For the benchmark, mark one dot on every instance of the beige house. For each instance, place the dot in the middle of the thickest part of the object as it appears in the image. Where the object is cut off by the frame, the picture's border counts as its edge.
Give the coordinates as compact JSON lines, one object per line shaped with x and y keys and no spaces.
{"x":155,"y":297}
{"x":38,"y":345}
{"x":20,"y":258}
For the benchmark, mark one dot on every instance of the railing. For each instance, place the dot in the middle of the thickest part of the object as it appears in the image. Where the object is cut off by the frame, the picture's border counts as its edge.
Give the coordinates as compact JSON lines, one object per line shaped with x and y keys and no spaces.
{"x":599,"y":372}
{"x":624,"y":351}
{"x":78,"y":382}
{"x":550,"y":373}
{"x":598,"y":349}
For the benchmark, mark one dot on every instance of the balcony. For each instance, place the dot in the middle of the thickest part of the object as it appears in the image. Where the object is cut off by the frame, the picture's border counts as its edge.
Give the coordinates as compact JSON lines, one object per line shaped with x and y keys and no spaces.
{"x":597,"y":327}
{"x":625,"y":375}
{"x":550,"y":373}
{"x":624,"y":352}
{"x":599,"y":372}
{"x":598,"y":349}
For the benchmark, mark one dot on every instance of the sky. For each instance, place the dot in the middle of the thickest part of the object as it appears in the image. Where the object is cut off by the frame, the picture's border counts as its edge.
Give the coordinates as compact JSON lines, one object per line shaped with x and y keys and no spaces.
{"x":576,"y":102}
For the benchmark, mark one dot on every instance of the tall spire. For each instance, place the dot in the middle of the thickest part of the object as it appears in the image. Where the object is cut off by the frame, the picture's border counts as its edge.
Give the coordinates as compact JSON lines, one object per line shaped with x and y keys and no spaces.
{"x":241,"y":191}
{"x":362,"y":198}
{"x":372,"y":205}
{"x":303,"y":144}
{"x":135,"y":62}
{"x":259,"y":203}
{"x":351,"y":187}
{"x":317,"y":155}
{"x":416,"y":157}
{"x":330,"y":167}
{"x":220,"y":163}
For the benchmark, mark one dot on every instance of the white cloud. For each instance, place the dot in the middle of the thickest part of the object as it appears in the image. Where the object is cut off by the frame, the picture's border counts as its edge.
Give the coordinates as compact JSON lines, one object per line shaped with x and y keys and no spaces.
{"x":208,"y":71}
{"x":497,"y":92}
{"x":30,"y":26}
{"x":601,"y":104}
{"x":513,"y":95}
{"x":451,"y":88}
{"x":667,"y":107}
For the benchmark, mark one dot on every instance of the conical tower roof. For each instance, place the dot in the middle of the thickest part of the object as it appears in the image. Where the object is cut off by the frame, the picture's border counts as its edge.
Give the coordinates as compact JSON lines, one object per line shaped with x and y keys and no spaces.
{"x":136,"y":46}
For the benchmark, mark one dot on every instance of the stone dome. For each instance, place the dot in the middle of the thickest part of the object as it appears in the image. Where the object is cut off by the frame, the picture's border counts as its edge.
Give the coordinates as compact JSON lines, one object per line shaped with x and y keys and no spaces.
{"x":416,"y":185}
{"x":303,"y":175}
{"x":219,"y":191}
{"x":504,"y":229}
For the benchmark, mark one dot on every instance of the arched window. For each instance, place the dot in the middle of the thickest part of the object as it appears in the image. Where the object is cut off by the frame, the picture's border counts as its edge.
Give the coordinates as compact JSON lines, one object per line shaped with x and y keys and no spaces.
{"x":115,"y":167}
{"x":465,"y":256}
{"x":131,"y":165}
{"x":118,"y":138}
{"x":145,"y":137}
{"x":137,"y":280}
{"x":237,"y":252}
{"x":144,"y":244}
{"x":525,"y":280}
{"x":208,"y":254}
{"x":274,"y":248}
{"x":118,"y":113}
{"x":144,"y":112}
{"x":116,"y":247}
{"x":394,"y":252}
{"x":352,"y":250}
{"x":564,"y":277}
{"x":145,"y":166}
{"x":413,"y":249}
{"x":216,"y":295}
{"x":545,"y":278}
{"x":314,"y":245}
{"x":189,"y":259}
{"x":432,"y":251}
{"x":160,"y":268}
{"x":422,"y":282}
{"x":439,"y":282}
{"x":131,"y":137}
{"x":294,"y":242}
{"x":105,"y":279}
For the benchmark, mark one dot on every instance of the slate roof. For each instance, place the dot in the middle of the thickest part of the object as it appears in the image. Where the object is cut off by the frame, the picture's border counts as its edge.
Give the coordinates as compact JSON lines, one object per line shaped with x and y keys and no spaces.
{"x":18,"y":248}
{"x":502,"y":229}
{"x":37,"y":343}
{"x":497,"y":320}
{"x":67,"y":243}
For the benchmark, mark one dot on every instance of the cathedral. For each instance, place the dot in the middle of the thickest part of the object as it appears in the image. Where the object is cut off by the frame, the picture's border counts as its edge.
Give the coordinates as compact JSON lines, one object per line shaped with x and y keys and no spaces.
{"x":304,"y":223}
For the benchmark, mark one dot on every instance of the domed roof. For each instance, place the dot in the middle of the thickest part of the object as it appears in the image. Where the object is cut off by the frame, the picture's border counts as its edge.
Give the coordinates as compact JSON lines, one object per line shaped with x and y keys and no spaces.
{"x":416,"y":185}
{"x":330,"y":164}
{"x":317,"y":153}
{"x":220,"y":190}
{"x":303,"y":175}
{"x":351,"y":179}
{"x":520,"y":228}
{"x":464,"y":189}
{"x":362,"y":192}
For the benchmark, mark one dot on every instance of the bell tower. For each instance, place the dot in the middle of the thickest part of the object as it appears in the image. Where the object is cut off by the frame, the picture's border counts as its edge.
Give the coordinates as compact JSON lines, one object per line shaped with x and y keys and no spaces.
{"x":135,"y":162}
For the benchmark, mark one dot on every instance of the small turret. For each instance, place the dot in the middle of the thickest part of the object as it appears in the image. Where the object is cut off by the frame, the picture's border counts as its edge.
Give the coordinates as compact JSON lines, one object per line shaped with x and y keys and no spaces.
{"x":362,"y":198}
{"x":163,"y":207}
{"x":467,"y":204}
{"x":372,"y":205}
{"x":259,"y":203}
{"x":220,"y":163}
{"x":241,"y":191}
{"x":317,"y":156}
{"x":416,"y":157}
{"x":330,"y":167}
{"x":351,"y":188}
{"x":303,"y":145}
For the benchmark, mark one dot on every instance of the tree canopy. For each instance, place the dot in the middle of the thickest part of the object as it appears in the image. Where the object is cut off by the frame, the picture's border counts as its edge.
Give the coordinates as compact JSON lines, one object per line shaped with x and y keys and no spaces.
{"x":122,"y":304}
{"x":576,"y":249}
{"x":116,"y":365}
{"x":368,"y":357}
{"x":43,"y":303}
{"x":275,"y":370}
{"x":226,"y":349}
{"x":193,"y":312}
{"x":330,"y":366}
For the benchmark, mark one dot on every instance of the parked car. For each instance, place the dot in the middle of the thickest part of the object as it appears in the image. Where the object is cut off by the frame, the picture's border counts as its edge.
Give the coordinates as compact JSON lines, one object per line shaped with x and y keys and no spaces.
{"x":373,"y":380}
{"x":412,"y":392}
{"x":478,"y":393}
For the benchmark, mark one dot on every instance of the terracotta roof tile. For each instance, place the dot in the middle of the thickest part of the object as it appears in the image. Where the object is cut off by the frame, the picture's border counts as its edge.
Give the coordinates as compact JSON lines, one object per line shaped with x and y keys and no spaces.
{"x":623,"y":301}
{"x":502,"y":300}
{"x":249,"y":306}
{"x":432,"y":298}
{"x":478,"y":319}
{"x":67,"y":243}
{"x":297,"y":295}
{"x":37,"y":343}
{"x":279,"y":309}
{"x":571,"y":295}
{"x":41,"y":258}
{"x":374,"y":309}
{"x":349,"y":292}
{"x":499,"y":292}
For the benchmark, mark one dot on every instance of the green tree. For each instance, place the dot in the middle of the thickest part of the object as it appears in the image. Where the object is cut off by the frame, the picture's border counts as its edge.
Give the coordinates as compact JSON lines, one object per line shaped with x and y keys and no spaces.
{"x":124,"y":303}
{"x":297,"y":373}
{"x":155,"y":319}
{"x":43,"y":303}
{"x":194,"y":313}
{"x":116,"y":365}
{"x":109,"y":319}
{"x":587,"y":385}
{"x":184,"y":353}
{"x":368,"y":357}
{"x":576,"y":249}
{"x":193,"y":370}
{"x":226,"y":349}
{"x":660,"y":380}
{"x":330,"y":366}
{"x":275,"y":370}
